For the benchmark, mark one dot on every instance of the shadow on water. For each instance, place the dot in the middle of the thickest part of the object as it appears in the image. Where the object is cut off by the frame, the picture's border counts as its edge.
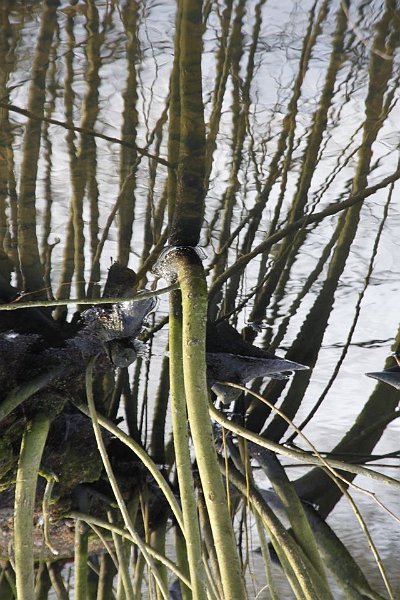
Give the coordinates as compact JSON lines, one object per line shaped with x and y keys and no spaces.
{"x":278,"y":155}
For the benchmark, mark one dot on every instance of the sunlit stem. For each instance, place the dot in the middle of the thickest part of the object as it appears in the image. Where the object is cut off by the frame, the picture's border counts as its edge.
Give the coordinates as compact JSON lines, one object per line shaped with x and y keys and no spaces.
{"x":208,"y":543}
{"x":17,"y":305}
{"x":46,"y":512}
{"x":33,"y":442}
{"x":194,"y":305}
{"x":300,"y":455}
{"x":144,"y":458}
{"x":182,"y":453}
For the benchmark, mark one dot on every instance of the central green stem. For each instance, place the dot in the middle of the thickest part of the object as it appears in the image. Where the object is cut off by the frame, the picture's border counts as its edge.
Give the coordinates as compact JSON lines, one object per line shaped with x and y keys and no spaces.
{"x":193,"y":286}
{"x":182,"y":453}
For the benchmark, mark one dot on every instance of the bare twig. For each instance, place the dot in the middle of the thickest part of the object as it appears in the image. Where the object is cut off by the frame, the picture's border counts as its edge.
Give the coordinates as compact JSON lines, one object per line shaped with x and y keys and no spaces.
{"x":84,"y":131}
{"x":89,"y":301}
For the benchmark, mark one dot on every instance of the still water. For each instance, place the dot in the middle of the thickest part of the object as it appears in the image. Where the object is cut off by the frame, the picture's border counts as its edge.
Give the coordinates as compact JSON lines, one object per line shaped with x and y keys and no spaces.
{"x":301,"y":111}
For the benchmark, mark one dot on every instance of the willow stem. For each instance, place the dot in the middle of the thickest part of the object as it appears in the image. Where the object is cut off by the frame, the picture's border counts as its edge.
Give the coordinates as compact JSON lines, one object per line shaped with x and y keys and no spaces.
{"x":33,"y":442}
{"x":194,"y":305}
{"x":182,"y":452}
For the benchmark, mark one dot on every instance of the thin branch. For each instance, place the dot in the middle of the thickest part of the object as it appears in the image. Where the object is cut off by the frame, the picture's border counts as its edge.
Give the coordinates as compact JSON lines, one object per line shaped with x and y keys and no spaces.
{"x":300,"y":455}
{"x":84,"y":131}
{"x":330,"y":210}
{"x":90,"y":301}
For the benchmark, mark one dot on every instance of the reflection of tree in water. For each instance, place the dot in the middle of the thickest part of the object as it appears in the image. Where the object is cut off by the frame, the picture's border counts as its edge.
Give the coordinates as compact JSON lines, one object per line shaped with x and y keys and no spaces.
{"x":282,"y":146}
